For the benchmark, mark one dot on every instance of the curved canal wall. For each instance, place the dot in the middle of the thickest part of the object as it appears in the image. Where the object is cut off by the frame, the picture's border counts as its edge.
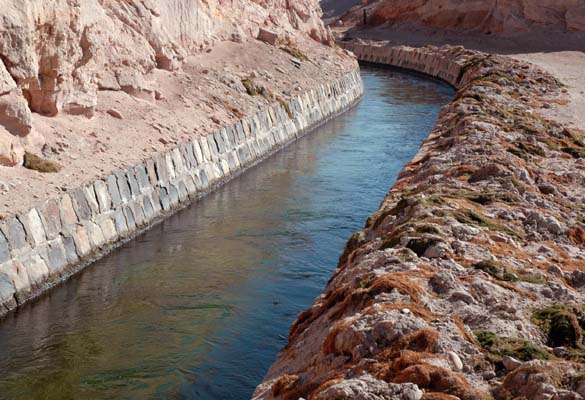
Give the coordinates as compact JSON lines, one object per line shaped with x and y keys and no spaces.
{"x":467,"y":283}
{"x":49,"y":243}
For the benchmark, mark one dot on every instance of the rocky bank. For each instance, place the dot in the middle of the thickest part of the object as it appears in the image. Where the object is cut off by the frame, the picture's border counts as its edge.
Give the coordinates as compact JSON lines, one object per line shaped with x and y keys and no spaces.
{"x":468,"y":282}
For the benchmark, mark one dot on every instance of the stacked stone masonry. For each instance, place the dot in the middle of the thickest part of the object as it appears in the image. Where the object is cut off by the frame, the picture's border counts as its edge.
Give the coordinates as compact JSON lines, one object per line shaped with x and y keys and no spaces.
{"x":53,"y":240}
{"x":447,"y":67}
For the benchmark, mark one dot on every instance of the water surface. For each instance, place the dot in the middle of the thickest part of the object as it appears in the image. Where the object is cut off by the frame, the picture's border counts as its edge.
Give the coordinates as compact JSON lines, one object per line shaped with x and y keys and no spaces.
{"x":199,"y":306}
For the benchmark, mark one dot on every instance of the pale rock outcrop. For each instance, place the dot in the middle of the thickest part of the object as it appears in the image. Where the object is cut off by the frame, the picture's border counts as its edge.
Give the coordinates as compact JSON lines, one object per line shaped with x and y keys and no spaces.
{"x":56,"y":55}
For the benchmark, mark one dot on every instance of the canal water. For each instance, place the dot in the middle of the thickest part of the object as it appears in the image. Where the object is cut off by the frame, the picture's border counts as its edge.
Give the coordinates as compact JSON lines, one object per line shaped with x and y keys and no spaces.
{"x":199,"y":306}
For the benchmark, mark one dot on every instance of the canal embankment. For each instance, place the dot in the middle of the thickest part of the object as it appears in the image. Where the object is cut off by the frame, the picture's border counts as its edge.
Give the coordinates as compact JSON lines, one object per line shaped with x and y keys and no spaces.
{"x":46,"y":244}
{"x":463,"y":284}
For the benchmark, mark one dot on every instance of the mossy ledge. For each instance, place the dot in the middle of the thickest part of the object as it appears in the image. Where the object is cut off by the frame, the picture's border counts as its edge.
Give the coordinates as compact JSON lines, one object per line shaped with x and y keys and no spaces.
{"x":469,"y":281}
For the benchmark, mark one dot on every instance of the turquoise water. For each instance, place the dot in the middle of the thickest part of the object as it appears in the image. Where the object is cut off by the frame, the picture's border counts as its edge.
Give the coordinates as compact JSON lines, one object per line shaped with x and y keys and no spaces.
{"x":199,"y":306}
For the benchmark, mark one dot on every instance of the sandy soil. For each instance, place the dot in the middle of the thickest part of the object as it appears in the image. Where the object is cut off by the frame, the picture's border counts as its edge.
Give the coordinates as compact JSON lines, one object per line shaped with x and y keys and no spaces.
{"x":204,"y":95}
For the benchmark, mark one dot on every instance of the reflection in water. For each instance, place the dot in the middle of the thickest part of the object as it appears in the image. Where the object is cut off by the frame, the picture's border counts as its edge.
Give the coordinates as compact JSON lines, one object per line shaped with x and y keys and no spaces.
{"x":199,"y":306}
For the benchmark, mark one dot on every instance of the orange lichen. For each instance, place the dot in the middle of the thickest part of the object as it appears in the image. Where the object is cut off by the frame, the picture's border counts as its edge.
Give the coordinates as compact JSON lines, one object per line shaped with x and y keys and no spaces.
{"x":439,"y":379}
{"x":577,"y":235}
{"x":399,"y":282}
{"x":284,"y":384}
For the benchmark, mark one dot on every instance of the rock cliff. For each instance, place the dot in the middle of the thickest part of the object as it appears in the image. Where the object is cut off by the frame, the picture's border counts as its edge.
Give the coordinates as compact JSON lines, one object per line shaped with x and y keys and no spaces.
{"x":56,"y":55}
{"x":491,"y":16}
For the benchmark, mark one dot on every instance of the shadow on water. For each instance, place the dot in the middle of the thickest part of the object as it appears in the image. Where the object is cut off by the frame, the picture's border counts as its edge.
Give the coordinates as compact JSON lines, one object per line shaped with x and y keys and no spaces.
{"x":199,"y":306}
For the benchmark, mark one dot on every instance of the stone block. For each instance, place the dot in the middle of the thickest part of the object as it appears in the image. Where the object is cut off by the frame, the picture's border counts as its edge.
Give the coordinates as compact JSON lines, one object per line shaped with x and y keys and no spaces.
{"x":14,"y":232}
{"x":198,"y":153}
{"x":123,"y":187}
{"x":108,"y":229}
{"x":114,"y":191}
{"x":142,"y":177}
{"x":67,"y":211}
{"x":80,"y":204}
{"x":151,"y":170}
{"x":269,"y":37}
{"x":91,"y":199}
{"x":148,"y":208}
{"x":70,"y":250}
{"x":205,"y":148}
{"x":173,"y":195}
{"x":7,"y":292}
{"x":225,"y":168}
{"x":96,"y":236}
{"x":57,"y":259}
{"x":120,"y":222}
{"x":183,"y":192}
{"x":17,"y":274}
{"x":191,"y":188}
{"x":177,"y":160}
{"x":51,"y":216}
{"x":138,"y":212}
{"x":33,"y":227}
{"x":103,"y":196}
{"x":170,"y":166}
{"x":132,"y":182}
{"x":130,"y":220}
{"x":36,"y":269}
{"x":4,"y":248}
{"x":165,"y":200}
{"x":81,"y":239}
{"x":161,"y":169}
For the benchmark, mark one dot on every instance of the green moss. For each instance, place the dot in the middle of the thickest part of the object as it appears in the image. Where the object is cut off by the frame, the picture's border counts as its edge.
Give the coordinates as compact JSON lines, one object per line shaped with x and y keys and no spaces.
{"x":496,"y":270}
{"x":36,"y":163}
{"x":561,"y":324}
{"x":497,"y":347}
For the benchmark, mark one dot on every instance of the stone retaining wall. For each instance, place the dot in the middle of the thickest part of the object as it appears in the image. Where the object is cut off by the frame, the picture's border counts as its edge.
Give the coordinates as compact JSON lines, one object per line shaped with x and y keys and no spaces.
{"x":450,"y":66}
{"x":52,"y":241}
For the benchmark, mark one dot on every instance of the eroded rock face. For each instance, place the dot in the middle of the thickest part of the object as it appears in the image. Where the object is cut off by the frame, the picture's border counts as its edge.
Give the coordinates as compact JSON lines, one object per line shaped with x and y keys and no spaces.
{"x":493,"y":16}
{"x":56,"y":55}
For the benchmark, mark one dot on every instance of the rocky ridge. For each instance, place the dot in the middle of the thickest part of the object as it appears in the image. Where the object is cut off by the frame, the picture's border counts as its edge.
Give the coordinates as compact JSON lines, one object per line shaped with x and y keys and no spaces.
{"x":55,"y":56}
{"x":468,"y":282}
